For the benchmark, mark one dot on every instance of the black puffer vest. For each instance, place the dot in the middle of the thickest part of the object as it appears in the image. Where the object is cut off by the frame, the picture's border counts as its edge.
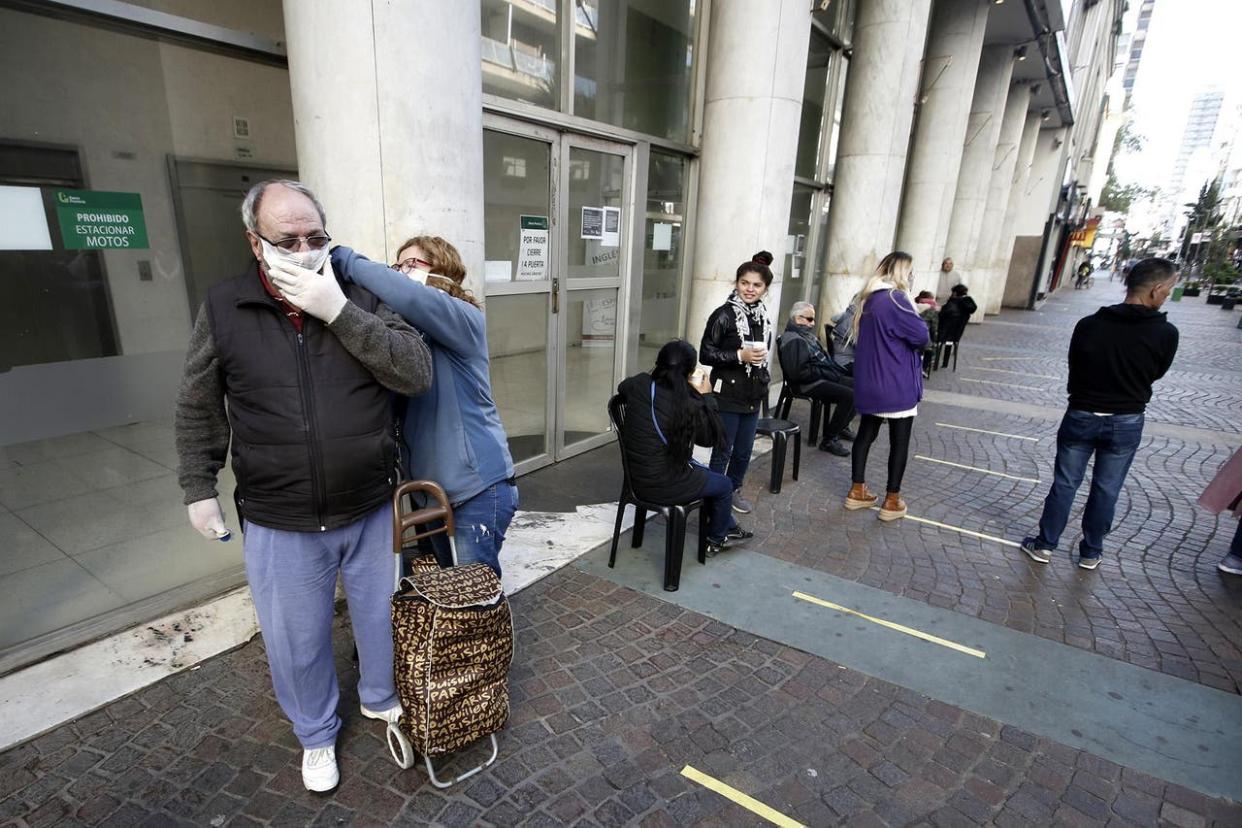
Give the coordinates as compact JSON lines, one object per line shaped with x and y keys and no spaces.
{"x":313,"y":446}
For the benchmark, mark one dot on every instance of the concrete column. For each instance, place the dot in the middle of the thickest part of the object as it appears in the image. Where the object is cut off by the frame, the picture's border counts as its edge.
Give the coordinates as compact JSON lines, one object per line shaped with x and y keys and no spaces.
{"x":751,"y":112}
{"x":875,"y":136}
{"x":1004,"y":161}
{"x":945,"y":92}
{"x":1005,"y":241}
{"x":389,"y":133}
{"x":975,"y":174}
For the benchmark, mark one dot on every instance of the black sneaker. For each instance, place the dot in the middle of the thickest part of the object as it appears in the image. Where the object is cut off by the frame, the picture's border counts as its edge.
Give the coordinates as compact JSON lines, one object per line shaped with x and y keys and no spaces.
{"x":846,"y":435}
{"x":1035,"y":553}
{"x":716,"y":546}
{"x":737,"y":533}
{"x":740,"y":504}
{"x":834,"y":447}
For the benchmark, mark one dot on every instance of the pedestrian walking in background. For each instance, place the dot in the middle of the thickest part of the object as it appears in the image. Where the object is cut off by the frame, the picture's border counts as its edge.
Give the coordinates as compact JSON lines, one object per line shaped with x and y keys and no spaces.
{"x":888,"y":380}
{"x":1224,"y":493}
{"x":668,"y":412}
{"x":735,"y":344}
{"x":810,"y":370}
{"x":452,"y":434}
{"x":1115,"y":355}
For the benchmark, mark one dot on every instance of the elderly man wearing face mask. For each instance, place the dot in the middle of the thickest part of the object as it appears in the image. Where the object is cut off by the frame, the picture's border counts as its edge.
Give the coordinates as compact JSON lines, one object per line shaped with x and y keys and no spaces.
{"x":308,"y":372}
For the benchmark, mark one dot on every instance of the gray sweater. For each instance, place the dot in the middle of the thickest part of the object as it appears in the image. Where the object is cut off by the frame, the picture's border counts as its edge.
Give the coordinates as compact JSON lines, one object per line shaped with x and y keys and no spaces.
{"x":392,"y":350}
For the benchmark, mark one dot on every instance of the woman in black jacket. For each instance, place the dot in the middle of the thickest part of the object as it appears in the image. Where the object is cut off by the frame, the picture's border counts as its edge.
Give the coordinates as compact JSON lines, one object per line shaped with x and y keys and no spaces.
{"x":736,"y":341}
{"x":666,"y":415}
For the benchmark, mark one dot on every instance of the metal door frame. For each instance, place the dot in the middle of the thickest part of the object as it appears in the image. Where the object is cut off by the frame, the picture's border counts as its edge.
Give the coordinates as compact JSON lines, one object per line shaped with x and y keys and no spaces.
{"x":560,"y":143}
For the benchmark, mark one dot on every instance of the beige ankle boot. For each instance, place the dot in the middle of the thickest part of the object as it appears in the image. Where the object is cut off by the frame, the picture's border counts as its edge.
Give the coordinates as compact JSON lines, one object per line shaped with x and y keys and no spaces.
{"x":860,"y":497}
{"x":894,"y":507}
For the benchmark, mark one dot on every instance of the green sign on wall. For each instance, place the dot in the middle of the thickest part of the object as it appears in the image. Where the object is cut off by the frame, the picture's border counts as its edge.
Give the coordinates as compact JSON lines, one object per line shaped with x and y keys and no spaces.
{"x":93,"y":220}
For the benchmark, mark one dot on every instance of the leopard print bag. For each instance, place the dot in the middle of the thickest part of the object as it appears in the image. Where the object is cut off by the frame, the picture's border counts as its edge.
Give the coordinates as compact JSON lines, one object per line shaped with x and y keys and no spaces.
{"x":452,"y":647}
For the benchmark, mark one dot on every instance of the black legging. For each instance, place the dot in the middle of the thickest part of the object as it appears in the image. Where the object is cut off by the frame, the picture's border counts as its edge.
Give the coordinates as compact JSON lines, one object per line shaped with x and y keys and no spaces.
{"x":899,"y":431}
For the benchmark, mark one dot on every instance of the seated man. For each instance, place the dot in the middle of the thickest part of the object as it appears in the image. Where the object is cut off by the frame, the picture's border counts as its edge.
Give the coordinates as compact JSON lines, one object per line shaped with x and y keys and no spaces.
{"x":808,"y":367}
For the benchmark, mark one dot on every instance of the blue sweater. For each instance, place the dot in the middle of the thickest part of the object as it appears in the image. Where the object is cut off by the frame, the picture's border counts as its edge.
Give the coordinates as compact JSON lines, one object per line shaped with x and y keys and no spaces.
{"x":888,"y":374}
{"x":452,"y":433}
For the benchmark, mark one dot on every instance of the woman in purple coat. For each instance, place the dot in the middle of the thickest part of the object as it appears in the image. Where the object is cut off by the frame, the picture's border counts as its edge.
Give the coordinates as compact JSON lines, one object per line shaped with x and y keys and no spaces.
{"x":889,"y":337}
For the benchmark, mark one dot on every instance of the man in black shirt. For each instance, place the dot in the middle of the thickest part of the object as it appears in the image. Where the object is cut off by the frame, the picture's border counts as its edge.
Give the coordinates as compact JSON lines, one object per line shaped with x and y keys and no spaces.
{"x":1114,"y":357}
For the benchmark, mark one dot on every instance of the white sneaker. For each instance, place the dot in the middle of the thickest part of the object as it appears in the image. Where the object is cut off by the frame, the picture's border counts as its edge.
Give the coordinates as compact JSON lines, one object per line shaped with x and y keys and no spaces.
{"x":319,"y":770}
{"x":392,"y":715}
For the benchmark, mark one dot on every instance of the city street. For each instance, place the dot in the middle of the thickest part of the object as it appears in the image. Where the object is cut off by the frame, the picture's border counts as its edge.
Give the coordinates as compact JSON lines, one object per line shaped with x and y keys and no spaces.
{"x":834,"y":670}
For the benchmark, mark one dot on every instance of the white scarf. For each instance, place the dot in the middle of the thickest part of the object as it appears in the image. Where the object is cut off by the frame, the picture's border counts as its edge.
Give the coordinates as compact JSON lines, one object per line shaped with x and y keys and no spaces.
{"x":742,"y":315}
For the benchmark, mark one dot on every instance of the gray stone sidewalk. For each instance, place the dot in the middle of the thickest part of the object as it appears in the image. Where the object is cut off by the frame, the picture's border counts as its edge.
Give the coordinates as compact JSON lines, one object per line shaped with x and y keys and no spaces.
{"x":613,"y":694}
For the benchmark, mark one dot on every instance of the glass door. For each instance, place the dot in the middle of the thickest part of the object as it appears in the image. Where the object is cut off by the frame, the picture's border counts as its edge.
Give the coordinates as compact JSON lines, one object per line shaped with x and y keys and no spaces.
{"x":558,"y":213}
{"x":598,"y":214}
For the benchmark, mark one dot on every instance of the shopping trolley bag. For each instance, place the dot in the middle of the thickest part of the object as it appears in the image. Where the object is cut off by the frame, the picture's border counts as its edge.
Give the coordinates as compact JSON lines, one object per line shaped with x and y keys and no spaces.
{"x":452,"y":643}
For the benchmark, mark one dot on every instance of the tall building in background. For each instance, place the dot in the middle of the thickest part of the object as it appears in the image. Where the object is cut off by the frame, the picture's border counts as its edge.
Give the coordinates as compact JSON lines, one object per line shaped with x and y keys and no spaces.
{"x":1195,"y":163}
{"x":1136,"y":49}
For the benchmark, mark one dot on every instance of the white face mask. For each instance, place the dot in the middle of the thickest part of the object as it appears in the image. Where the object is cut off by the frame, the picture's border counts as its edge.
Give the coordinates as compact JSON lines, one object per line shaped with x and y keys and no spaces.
{"x":309,"y":259}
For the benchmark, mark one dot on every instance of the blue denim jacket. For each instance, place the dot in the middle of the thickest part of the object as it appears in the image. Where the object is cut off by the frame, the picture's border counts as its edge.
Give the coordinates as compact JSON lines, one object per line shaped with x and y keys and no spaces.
{"x":452,"y":433}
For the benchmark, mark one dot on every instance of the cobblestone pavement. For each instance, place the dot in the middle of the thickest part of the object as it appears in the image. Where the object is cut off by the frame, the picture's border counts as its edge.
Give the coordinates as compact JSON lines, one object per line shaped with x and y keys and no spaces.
{"x":613,"y":694}
{"x":1157,"y":600}
{"x":1201,"y":389}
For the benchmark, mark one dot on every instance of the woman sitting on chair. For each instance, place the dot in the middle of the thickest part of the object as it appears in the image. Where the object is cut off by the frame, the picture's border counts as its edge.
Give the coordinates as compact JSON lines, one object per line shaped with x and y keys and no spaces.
{"x":668,"y":412}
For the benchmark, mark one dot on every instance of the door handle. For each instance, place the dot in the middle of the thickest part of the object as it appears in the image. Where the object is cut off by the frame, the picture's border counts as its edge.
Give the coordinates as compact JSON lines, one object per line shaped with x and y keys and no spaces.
{"x":556,"y":295}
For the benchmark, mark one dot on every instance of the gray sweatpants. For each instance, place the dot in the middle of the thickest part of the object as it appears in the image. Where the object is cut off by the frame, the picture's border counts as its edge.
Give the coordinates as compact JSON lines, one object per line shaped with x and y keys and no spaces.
{"x":292,"y":578}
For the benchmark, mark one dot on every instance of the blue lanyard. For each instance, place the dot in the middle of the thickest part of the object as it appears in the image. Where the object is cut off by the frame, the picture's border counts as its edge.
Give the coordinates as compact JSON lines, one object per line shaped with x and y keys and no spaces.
{"x":659,"y":433}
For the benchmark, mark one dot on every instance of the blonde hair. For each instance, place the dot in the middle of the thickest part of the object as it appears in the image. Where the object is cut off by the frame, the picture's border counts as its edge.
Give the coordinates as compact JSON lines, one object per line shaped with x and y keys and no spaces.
{"x":893,"y":269}
{"x":447,"y":270}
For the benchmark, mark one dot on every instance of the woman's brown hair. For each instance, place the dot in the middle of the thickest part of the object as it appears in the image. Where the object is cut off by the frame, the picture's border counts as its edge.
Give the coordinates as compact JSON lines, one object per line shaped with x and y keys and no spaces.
{"x":447,"y":269}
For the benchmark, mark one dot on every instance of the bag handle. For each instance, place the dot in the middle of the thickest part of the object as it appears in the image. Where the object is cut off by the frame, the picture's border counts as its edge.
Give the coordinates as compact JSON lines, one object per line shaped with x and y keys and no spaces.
{"x":404,"y":522}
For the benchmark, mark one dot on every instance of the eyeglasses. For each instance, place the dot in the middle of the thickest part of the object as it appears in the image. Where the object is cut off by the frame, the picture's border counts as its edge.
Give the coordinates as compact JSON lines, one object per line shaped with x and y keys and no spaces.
{"x":411,"y":264}
{"x":808,"y":318}
{"x":294,"y":243}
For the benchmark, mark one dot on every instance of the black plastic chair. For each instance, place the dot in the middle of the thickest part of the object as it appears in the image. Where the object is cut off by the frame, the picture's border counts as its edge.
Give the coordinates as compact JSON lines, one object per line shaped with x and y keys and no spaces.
{"x":779,"y":431}
{"x":674,"y":513}
{"x":789,"y":393}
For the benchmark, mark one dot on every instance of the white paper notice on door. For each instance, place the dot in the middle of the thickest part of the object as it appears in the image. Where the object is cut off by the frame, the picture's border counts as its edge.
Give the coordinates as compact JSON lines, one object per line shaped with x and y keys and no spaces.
{"x":661,"y":236}
{"x":612,"y":227}
{"x":592,"y":222}
{"x":533,"y":249}
{"x":497,"y":271}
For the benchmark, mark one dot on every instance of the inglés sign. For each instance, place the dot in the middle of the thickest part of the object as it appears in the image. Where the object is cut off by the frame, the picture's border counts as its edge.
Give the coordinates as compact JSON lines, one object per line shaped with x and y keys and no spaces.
{"x":92,"y":220}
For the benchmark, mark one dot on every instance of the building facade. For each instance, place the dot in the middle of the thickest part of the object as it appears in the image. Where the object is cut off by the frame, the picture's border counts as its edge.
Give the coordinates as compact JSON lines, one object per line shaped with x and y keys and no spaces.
{"x":603,"y":166}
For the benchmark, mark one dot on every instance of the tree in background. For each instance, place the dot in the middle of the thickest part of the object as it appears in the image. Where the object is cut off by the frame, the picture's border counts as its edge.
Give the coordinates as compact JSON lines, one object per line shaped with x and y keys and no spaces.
{"x":1116,"y":196}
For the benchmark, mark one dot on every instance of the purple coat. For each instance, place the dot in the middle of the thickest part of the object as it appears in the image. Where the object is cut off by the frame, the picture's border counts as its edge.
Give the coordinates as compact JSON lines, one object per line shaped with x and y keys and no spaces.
{"x":888,"y":369}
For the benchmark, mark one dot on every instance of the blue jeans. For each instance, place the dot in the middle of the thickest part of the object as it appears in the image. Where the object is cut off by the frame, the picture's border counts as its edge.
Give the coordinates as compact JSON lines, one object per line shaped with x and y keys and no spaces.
{"x":292,"y":579}
{"x":733,"y":458}
{"x":1112,"y":440}
{"x":717,"y":495}
{"x":481,"y":523}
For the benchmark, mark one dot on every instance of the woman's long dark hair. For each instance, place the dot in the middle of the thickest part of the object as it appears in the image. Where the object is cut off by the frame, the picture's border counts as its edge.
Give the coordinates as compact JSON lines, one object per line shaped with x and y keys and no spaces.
{"x":674,"y":364}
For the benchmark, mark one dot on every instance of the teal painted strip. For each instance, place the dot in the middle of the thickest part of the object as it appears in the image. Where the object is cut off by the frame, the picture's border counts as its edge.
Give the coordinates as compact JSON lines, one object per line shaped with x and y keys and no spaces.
{"x":1161,"y":725}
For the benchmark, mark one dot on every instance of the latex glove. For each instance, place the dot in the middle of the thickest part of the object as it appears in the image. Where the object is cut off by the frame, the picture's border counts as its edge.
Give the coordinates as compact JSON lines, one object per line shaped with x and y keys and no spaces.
{"x":208,"y":518}
{"x":318,"y":294}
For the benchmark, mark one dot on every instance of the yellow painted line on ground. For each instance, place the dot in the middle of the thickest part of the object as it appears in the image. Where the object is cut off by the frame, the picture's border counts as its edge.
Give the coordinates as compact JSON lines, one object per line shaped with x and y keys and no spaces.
{"x":985,"y":431}
{"x":734,"y":795}
{"x":934,"y":639}
{"x":1022,"y":373}
{"x":958,"y":529}
{"x":976,"y":468}
{"x":1005,"y":384}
